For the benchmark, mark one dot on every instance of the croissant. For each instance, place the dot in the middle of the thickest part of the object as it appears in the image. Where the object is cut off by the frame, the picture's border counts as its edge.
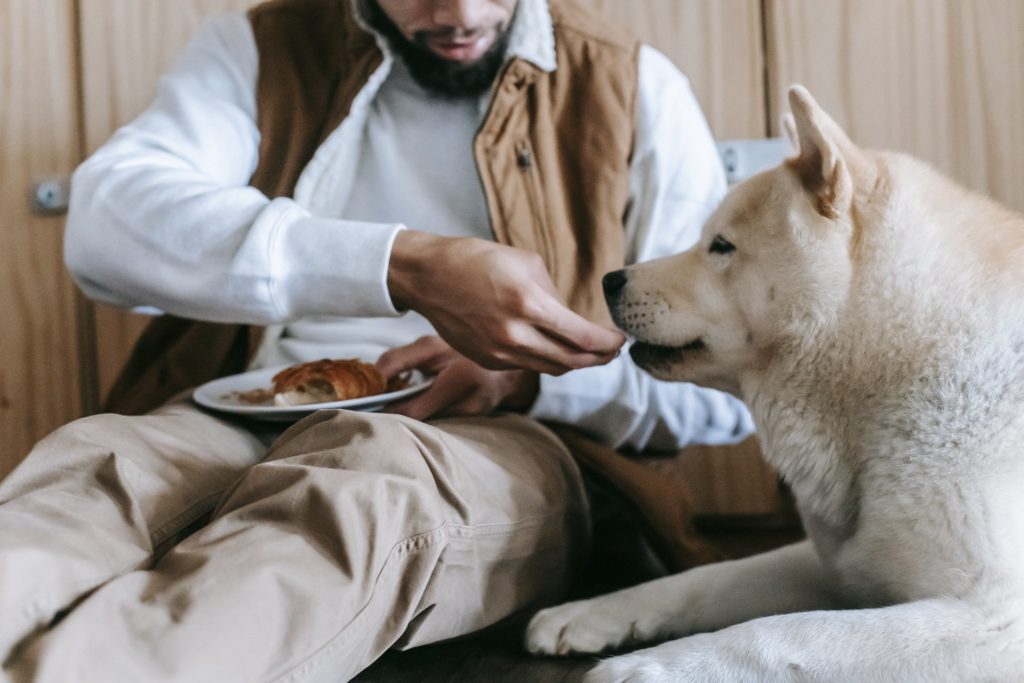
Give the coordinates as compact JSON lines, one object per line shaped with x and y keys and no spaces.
{"x":327,"y":380}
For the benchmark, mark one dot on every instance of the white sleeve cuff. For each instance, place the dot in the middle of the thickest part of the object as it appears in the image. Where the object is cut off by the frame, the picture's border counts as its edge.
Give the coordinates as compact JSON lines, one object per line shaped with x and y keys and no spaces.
{"x":324,"y":266}
{"x":622,"y":406}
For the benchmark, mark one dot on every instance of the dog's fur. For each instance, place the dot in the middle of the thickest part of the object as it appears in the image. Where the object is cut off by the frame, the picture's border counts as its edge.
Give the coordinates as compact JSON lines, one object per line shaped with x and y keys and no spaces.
{"x":871,"y":315}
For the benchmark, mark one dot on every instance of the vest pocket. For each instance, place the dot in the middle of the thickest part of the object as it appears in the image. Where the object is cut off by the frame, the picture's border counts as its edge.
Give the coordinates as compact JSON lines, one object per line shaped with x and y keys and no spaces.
{"x":527,"y":164}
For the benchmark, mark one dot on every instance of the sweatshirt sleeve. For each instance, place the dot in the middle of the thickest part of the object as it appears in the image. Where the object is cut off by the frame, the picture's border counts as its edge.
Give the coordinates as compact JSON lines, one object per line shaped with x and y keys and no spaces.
{"x":162,"y":215}
{"x":676,"y":181}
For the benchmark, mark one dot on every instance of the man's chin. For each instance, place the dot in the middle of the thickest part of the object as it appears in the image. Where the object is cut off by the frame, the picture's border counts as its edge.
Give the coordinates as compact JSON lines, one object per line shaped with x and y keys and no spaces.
{"x":445,"y":66}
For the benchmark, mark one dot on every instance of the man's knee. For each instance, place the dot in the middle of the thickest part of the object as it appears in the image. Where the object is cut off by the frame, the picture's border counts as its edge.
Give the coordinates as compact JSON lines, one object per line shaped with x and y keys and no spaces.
{"x":158,"y":462}
{"x":365,"y":442}
{"x":82,"y":446}
{"x":172,"y":428}
{"x":342,"y":481}
{"x":465,"y":471}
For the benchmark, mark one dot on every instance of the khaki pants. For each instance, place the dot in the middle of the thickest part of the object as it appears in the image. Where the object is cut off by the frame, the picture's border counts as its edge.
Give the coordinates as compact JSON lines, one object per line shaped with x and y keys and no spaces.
{"x":352,"y":534}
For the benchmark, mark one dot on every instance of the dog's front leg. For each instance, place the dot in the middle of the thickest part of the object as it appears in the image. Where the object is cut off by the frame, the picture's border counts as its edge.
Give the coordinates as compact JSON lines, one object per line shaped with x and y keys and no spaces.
{"x":929,"y":640}
{"x":706,"y":598}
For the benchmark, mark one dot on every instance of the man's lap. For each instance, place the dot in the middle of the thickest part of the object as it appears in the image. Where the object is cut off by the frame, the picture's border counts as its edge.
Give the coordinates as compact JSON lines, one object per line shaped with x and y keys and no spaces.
{"x":501,"y":493}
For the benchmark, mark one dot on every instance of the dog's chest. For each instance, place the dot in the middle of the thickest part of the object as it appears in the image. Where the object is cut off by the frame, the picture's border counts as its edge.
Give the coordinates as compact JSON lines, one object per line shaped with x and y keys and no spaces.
{"x":918,"y":535}
{"x":809,"y":456}
{"x":889,"y":531}
{"x":892,"y":563}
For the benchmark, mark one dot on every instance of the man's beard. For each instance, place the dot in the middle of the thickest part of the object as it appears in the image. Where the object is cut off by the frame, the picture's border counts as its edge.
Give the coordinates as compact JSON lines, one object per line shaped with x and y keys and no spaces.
{"x":450,"y":79}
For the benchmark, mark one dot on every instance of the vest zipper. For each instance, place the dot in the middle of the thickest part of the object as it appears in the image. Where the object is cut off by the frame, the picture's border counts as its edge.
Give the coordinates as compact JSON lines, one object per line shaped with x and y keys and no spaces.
{"x":542,"y":236}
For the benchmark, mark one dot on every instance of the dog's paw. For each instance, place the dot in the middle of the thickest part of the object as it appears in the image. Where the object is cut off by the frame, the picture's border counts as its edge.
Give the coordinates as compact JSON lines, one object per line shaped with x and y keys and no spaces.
{"x":584,"y":627}
{"x":708,"y":658}
{"x":629,"y":669}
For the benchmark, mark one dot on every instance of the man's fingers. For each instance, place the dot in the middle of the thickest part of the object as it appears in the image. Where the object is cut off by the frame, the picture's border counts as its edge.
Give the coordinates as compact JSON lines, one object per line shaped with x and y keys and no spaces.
{"x":469,"y":406}
{"x":448,"y":389}
{"x":422,"y":354}
{"x":533,"y":349}
{"x":556,"y":319}
{"x":578,"y":332}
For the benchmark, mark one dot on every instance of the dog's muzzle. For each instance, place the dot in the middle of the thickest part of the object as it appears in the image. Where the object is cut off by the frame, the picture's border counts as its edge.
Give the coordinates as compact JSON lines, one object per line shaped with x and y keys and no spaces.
{"x":613,"y":283}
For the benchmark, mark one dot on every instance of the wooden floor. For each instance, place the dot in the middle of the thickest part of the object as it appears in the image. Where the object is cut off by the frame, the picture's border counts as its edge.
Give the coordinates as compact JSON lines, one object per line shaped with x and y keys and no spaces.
{"x":499,"y":657}
{"x":495,"y":657}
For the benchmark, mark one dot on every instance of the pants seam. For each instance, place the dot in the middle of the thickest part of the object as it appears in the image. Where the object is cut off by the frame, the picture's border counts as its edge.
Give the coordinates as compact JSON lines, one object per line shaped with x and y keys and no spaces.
{"x":401,"y":549}
{"x":498,"y":528}
{"x":159,"y":534}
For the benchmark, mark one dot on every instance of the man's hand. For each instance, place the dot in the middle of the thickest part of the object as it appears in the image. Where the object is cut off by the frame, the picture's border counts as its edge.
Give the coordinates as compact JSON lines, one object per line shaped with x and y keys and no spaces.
{"x":461,"y":387}
{"x":494,"y":304}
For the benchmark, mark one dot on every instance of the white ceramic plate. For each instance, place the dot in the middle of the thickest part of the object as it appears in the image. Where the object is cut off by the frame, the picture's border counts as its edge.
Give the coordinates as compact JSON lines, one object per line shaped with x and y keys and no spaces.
{"x":219,"y":395}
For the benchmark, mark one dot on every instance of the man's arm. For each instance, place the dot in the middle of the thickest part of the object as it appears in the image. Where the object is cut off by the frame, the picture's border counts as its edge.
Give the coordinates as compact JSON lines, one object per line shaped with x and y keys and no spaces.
{"x":162,"y":216}
{"x":676,"y":180}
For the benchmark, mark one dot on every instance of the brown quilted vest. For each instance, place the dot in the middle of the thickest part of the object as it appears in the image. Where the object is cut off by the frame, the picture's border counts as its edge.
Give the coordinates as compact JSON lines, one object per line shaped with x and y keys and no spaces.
{"x":553,"y":155}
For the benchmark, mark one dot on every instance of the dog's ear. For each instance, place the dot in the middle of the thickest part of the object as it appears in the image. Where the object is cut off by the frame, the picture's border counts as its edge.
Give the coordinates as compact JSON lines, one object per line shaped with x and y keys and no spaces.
{"x":825,"y":156}
{"x":789,"y":129}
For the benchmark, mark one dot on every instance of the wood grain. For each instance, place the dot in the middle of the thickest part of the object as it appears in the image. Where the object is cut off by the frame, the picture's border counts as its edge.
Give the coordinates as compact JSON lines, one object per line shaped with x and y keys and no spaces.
{"x":39,"y":365}
{"x":717,"y":44}
{"x":732,"y":479}
{"x":126,"y":46}
{"x":941,"y":80}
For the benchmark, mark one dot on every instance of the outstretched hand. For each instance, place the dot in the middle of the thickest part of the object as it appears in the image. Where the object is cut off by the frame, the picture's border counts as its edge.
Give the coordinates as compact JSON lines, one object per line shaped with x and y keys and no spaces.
{"x":494,"y":304}
{"x":460,"y":387}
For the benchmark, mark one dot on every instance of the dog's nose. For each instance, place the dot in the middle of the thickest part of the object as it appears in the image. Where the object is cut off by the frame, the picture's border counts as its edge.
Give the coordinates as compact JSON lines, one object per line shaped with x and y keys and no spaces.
{"x":613,"y":283}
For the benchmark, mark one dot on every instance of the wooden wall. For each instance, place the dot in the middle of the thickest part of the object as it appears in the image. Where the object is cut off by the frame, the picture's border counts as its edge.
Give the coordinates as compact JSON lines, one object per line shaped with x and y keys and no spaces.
{"x":716,"y":44}
{"x":939,"y":79}
{"x":39,"y":137}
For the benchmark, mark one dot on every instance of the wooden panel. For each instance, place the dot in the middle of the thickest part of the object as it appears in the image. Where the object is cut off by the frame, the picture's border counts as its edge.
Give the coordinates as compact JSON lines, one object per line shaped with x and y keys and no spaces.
{"x":732,"y":479}
{"x":717,"y":44}
{"x":940,"y":80}
{"x":39,"y":366}
{"x":126,"y":46}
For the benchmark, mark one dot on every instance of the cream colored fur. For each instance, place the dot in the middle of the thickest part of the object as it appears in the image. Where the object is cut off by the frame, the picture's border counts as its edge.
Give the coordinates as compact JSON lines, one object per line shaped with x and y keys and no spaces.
{"x":872,"y":317}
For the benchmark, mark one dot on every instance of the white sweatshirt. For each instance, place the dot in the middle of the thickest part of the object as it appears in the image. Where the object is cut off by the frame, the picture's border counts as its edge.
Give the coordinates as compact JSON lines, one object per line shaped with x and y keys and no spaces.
{"x":162,"y":216}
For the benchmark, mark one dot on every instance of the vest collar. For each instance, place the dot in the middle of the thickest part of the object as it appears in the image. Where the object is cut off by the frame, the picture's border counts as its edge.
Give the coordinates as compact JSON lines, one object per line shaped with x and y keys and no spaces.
{"x":532,"y":38}
{"x":533,"y":34}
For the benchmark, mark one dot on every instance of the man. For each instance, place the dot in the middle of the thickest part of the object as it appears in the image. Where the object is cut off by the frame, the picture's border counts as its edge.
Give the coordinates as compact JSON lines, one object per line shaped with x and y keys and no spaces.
{"x":319,"y":167}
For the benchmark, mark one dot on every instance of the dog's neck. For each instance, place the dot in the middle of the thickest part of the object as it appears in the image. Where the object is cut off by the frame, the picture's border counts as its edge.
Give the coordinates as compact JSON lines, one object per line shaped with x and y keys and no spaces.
{"x":920,"y":357}
{"x":803,"y":437}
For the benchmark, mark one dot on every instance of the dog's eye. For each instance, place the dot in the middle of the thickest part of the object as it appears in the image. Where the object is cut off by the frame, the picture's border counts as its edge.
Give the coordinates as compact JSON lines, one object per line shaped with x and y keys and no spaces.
{"x":720,"y":245}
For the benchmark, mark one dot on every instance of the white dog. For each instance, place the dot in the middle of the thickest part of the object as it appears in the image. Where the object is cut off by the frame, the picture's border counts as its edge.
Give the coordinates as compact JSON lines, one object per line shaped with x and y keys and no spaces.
{"x":871,"y":314}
